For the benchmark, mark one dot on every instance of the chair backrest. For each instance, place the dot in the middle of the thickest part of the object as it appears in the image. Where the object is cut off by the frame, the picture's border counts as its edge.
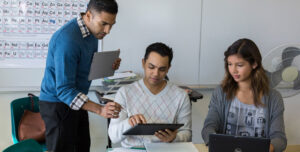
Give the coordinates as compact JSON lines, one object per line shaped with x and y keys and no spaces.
{"x":28,"y":145}
{"x":17,"y":108}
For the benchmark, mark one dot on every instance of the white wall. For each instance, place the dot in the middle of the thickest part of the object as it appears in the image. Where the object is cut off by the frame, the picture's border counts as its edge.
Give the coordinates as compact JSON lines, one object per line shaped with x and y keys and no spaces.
{"x":269,"y":23}
{"x":139,"y":23}
{"x":142,"y":22}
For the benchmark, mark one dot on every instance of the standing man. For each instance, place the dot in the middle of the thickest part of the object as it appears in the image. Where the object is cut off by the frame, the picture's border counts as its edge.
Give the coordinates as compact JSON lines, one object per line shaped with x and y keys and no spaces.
{"x":152,"y":100}
{"x":63,"y":100}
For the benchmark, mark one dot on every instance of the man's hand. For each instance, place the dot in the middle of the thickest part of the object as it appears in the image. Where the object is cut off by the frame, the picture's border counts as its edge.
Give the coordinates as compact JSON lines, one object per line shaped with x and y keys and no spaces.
{"x":137,"y":119}
{"x":166,"y":136}
{"x":110,"y":110}
{"x":116,"y":64}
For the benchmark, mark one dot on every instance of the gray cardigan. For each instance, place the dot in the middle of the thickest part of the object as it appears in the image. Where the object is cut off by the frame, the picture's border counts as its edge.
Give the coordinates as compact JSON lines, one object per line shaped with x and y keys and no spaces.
{"x":216,"y":118}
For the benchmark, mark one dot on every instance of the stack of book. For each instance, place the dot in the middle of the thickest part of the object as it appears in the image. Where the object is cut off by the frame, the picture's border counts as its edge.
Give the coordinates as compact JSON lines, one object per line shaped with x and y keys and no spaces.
{"x":113,"y":83}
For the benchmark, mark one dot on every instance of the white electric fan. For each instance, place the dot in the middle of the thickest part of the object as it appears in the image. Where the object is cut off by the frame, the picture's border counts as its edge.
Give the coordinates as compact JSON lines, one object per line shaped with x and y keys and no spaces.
{"x":282,"y":65}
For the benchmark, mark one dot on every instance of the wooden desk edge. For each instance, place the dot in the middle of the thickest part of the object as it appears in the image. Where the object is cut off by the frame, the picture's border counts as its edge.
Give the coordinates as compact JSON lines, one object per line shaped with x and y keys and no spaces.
{"x":289,"y":148}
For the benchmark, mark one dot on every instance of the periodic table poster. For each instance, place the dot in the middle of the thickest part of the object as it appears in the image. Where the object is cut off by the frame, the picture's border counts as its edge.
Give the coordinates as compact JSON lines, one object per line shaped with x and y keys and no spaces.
{"x":26,"y":27}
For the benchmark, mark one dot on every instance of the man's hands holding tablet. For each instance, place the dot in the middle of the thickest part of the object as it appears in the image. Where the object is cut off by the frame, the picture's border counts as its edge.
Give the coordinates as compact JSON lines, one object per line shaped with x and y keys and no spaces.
{"x":166,"y":136}
{"x":163,"y":135}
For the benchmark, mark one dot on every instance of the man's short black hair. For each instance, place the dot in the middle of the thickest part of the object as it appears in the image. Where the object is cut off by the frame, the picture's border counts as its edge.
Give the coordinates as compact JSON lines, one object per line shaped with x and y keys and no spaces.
{"x":160,"y":48}
{"x":109,"y":6}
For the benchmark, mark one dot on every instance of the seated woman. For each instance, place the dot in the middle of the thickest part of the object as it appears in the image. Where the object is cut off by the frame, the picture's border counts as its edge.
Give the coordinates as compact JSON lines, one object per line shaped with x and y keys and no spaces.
{"x":244,"y":105}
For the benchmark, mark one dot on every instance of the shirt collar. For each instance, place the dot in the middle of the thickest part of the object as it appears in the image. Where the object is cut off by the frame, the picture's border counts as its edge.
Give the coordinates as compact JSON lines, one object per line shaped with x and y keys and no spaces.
{"x":84,"y":30}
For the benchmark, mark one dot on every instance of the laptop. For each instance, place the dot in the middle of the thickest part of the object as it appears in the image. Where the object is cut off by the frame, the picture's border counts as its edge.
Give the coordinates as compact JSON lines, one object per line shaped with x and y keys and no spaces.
{"x":230,"y":143}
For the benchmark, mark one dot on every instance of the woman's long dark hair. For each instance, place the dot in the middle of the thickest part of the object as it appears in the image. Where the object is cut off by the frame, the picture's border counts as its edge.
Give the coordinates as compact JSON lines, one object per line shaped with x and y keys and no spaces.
{"x":248,"y":50}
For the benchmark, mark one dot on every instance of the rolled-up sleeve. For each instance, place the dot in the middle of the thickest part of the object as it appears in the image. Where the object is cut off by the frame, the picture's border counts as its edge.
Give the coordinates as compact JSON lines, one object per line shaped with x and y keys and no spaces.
{"x":78,"y":101}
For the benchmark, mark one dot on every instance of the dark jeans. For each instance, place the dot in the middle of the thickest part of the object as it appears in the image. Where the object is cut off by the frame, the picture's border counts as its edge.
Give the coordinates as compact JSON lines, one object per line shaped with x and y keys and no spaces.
{"x":67,"y":130}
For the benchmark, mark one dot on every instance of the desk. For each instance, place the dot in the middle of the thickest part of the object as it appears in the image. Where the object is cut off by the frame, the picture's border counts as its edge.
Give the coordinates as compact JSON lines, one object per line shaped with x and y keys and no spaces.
{"x":201,"y":147}
{"x":293,"y":148}
{"x":289,"y":148}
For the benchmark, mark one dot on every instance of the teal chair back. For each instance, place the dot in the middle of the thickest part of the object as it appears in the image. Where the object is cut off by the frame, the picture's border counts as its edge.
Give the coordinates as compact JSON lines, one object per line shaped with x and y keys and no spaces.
{"x":28,"y":145}
{"x":17,"y":108}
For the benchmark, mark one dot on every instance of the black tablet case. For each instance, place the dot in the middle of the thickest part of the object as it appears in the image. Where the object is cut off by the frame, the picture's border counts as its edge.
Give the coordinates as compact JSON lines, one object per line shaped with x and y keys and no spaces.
{"x":150,"y":129}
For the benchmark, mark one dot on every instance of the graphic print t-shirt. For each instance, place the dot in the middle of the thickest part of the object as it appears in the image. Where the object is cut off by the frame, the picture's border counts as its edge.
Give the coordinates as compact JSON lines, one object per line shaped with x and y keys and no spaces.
{"x":245,"y":120}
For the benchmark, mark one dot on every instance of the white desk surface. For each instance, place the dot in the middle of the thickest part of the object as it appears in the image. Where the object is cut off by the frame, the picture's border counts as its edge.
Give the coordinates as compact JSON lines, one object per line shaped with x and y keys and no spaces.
{"x":290,"y":148}
{"x":201,"y":147}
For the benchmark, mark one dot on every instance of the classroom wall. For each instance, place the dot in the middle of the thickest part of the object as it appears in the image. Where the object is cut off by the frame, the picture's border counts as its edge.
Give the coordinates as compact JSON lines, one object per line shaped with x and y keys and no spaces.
{"x":269,"y":23}
{"x":140,"y":28}
{"x":139,"y":23}
{"x":175,"y":23}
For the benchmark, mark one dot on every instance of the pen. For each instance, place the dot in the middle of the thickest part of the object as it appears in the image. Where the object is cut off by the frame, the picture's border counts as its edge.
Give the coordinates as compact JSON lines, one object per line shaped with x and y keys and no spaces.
{"x":105,"y":101}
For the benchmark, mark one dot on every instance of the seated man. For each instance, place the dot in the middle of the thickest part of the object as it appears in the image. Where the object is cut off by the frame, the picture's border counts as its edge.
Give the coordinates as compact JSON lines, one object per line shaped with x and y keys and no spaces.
{"x":152,"y":100}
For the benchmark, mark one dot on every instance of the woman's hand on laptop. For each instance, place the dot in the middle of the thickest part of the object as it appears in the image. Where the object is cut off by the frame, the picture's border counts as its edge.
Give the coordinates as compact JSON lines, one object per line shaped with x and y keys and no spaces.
{"x":166,"y":136}
{"x":136,"y":119}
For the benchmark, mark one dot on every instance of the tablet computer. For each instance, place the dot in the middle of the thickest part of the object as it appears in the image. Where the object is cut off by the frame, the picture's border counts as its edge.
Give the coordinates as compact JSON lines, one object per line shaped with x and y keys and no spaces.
{"x":150,"y":128}
{"x":102,"y":64}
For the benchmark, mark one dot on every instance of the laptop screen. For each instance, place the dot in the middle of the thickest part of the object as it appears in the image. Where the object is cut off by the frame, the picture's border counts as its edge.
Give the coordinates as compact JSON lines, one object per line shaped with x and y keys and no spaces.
{"x":229,"y":143}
